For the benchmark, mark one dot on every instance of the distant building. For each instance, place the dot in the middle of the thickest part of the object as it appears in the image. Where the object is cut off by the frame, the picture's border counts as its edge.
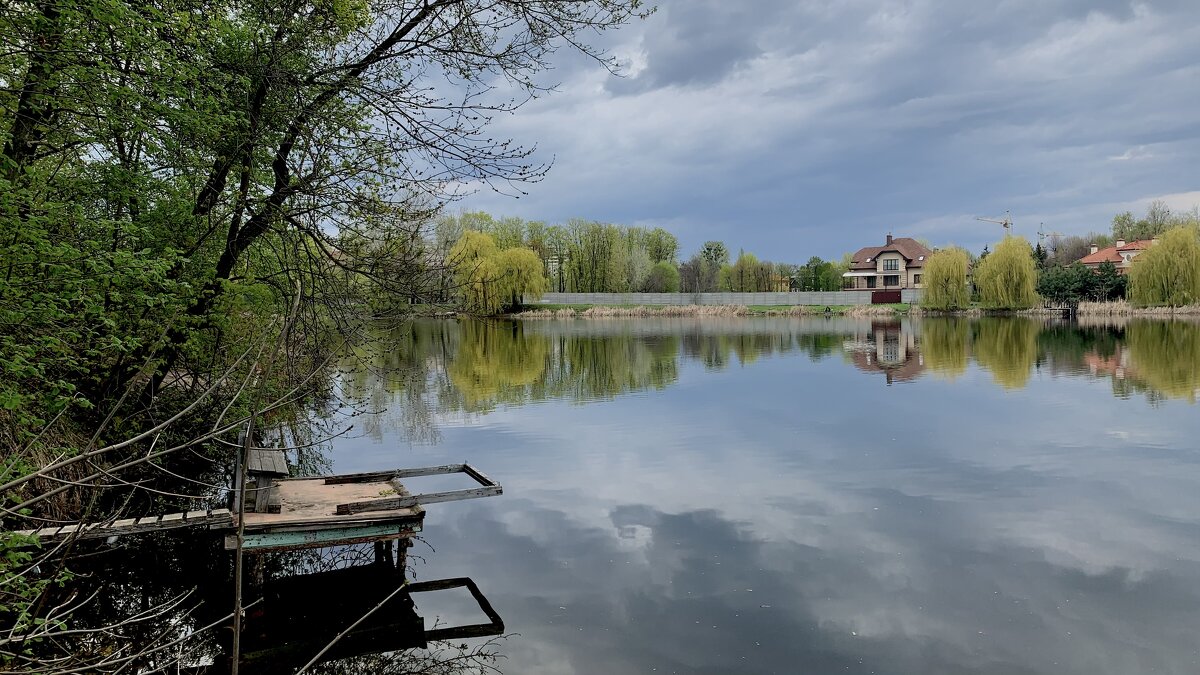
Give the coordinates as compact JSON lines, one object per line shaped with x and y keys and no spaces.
{"x":896,"y":265}
{"x":1121,"y":254}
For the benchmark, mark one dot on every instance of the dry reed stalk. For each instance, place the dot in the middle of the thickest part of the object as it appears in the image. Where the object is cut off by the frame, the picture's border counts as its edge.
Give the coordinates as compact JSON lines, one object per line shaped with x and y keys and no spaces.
{"x":1123,"y":308}
{"x":870,"y":310}
{"x":664,"y":311}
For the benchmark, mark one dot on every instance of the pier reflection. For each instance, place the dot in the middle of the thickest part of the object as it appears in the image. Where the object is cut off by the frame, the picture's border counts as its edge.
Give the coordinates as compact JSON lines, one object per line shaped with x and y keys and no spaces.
{"x":366,"y":618}
{"x":175,"y":590}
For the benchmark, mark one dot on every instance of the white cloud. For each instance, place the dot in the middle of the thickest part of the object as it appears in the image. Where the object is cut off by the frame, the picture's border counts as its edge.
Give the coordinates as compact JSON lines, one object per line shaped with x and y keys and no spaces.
{"x":1140,"y":152}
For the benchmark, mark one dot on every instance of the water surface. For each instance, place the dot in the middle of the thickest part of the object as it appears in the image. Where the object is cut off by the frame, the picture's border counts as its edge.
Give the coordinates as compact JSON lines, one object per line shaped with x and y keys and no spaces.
{"x":807,"y":495}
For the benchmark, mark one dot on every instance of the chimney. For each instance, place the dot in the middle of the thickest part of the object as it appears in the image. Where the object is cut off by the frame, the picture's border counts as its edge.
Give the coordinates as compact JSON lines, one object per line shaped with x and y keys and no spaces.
{"x":889,"y":240}
{"x":1120,"y":243}
{"x":1094,"y":248}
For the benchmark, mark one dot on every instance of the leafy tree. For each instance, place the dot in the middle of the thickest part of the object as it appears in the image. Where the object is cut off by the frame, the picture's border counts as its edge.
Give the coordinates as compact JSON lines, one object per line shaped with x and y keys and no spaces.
{"x":1168,"y":273}
{"x":1007,"y":279}
{"x":489,"y":280}
{"x":818,"y":275}
{"x":1108,"y":283}
{"x":725,"y":278}
{"x":1060,"y":284}
{"x":661,"y":245}
{"x":1075,"y":283}
{"x":521,"y":276}
{"x":1125,"y":226}
{"x":945,"y":280}
{"x":663,"y":278}
{"x":715,"y":252}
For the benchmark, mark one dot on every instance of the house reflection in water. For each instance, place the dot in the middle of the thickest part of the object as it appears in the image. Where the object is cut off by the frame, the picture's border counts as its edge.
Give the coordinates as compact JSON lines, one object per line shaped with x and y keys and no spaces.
{"x":888,"y":347}
{"x":1116,"y":365}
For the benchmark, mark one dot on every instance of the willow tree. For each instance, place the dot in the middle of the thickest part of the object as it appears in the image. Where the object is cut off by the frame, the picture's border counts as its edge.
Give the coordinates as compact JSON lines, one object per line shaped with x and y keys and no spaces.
{"x":489,"y":280}
{"x":521,"y":276}
{"x":1168,"y":273}
{"x":1007,"y":278}
{"x":946,"y":280}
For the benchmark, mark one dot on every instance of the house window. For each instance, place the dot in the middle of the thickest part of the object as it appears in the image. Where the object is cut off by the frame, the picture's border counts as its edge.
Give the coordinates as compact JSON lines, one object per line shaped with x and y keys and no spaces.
{"x":891,"y":265}
{"x":916,"y":278}
{"x":871,"y":282}
{"x":891,"y":280}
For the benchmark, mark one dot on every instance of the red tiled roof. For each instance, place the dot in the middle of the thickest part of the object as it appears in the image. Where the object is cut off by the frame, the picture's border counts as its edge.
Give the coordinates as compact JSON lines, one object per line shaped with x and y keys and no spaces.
{"x":1112,"y":254}
{"x":914,"y":253}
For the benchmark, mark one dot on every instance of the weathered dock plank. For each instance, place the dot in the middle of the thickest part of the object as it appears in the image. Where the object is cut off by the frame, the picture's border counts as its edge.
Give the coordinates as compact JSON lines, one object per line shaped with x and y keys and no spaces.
{"x":215,"y":518}
{"x":489,"y":488}
{"x":282,"y":540}
{"x":393,"y":503}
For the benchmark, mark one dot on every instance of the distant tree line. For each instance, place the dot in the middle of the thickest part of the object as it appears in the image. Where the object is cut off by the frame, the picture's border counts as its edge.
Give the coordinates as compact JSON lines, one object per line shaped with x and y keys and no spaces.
{"x":580,"y":256}
{"x":583,"y":256}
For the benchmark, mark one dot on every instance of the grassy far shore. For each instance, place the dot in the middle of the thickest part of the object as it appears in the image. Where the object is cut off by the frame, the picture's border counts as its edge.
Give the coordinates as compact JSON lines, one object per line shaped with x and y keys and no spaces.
{"x":550,"y":311}
{"x":554,"y":311}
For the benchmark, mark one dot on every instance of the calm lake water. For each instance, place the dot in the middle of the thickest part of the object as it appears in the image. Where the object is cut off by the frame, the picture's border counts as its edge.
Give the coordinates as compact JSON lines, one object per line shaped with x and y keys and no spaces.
{"x":768,"y":495}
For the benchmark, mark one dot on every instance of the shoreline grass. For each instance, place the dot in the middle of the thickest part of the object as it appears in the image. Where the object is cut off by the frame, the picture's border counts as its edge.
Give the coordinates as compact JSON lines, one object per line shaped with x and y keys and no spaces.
{"x":1118,"y":308}
{"x":627,"y":311}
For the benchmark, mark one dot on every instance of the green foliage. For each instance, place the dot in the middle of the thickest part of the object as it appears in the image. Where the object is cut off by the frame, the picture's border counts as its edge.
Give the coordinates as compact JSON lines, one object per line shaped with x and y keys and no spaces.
{"x":1168,"y":273}
{"x":173,"y":173}
{"x":490,"y":280}
{"x":520,"y":276}
{"x":748,"y":275}
{"x":581,"y":256}
{"x":1076,"y":283}
{"x":663,"y":278}
{"x":945,"y":280}
{"x":715,"y":252}
{"x":1007,"y":279}
{"x":819,"y":275}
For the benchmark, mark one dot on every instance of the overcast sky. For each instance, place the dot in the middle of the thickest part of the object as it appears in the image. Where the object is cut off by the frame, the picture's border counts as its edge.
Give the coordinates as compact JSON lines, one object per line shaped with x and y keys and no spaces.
{"x":798,"y":128}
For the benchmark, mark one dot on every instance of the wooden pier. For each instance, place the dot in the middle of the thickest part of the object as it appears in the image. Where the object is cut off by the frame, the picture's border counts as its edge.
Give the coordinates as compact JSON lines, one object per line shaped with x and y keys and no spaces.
{"x":294,"y":513}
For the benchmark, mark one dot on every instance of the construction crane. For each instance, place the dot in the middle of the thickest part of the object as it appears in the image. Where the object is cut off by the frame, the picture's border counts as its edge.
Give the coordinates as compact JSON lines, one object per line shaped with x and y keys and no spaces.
{"x":1007,"y":222}
{"x":1042,"y":235}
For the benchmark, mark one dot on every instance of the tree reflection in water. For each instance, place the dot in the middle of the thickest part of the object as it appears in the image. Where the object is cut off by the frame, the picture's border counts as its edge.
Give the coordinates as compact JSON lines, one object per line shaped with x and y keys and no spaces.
{"x":944,"y":345}
{"x":428,"y":371}
{"x":1007,"y":348}
{"x":1166,"y":356}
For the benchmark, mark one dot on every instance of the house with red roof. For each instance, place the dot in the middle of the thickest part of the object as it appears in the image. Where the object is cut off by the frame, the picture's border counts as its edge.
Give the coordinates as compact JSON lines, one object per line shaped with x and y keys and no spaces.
{"x":1120,"y":254}
{"x":896,"y":265}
